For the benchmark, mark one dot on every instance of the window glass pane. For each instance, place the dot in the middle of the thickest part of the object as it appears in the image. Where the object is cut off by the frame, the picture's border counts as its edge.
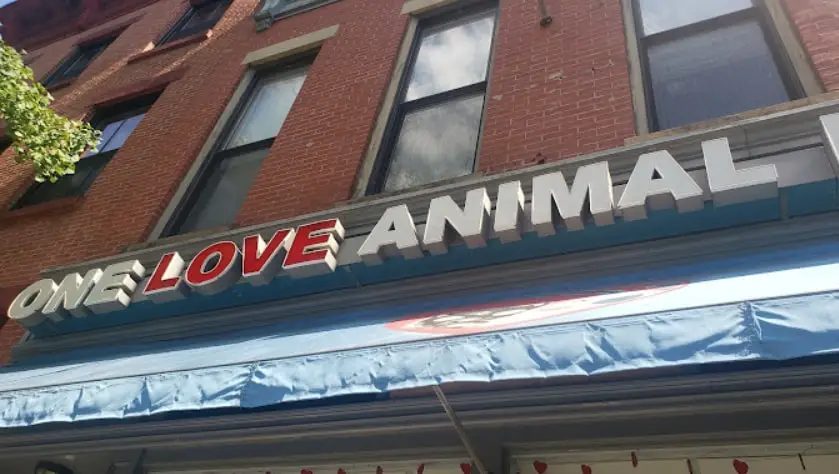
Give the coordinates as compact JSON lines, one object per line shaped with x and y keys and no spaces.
{"x":224,"y":192}
{"x":663,"y":15}
{"x":702,"y":77}
{"x":267,"y":108}
{"x":108,"y":133}
{"x":74,"y":67}
{"x":452,"y":56}
{"x":205,"y":16}
{"x":81,"y":60}
{"x":124,"y":131}
{"x":436,"y":143}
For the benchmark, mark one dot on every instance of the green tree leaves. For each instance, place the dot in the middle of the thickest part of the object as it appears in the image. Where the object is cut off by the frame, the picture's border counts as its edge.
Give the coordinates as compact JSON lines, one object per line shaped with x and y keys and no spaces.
{"x":52,"y":143}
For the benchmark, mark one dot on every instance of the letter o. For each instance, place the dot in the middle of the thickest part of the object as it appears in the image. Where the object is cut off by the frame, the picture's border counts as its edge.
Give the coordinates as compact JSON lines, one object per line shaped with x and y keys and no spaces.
{"x":26,"y":307}
{"x":214,"y":269}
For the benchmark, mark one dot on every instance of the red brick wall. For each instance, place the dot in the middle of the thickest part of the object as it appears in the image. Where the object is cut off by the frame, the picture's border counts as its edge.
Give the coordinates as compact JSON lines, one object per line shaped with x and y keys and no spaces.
{"x":554,"y":92}
{"x":325,"y":136}
{"x":559,"y":91}
{"x":818,"y":24}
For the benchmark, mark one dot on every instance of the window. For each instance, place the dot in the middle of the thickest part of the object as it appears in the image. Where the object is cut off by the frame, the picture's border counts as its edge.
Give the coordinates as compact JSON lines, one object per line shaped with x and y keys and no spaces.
{"x":117,"y":124}
{"x":223,"y":184}
{"x":77,"y":62}
{"x":434,"y":129}
{"x":196,"y":20}
{"x":709,"y":58}
{"x":274,"y":9}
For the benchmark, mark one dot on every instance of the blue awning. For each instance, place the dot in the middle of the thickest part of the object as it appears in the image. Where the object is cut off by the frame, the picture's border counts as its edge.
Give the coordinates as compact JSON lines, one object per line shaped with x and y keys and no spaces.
{"x":540,"y":332}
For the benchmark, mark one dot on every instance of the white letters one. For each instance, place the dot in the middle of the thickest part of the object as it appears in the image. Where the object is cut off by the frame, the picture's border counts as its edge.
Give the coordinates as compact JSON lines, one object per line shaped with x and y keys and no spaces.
{"x":446,"y":218}
{"x":674,"y":184}
{"x":26,"y":307}
{"x":113,"y":291}
{"x":730,"y":185}
{"x":509,"y":212}
{"x":552,"y":199}
{"x":394,"y":234}
{"x":70,"y":295}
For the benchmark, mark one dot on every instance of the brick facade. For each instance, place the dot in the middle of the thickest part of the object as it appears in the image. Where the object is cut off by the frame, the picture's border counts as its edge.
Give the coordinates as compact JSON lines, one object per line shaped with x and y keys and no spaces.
{"x":554,"y":92}
{"x":818,"y":24}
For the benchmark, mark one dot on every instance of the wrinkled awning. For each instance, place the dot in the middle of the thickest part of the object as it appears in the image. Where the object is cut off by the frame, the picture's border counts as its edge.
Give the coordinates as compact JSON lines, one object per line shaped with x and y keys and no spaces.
{"x":548,"y":331}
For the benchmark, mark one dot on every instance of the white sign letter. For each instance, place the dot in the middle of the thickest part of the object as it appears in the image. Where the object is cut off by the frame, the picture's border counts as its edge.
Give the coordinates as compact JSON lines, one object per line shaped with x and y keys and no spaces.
{"x":113,"y":291}
{"x":26,"y":307}
{"x":552,"y":200}
{"x":509,"y":212}
{"x":730,"y":185}
{"x":446,"y":218}
{"x":673,"y":184}
{"x":394,"y":234}
{"x":70,"y":295}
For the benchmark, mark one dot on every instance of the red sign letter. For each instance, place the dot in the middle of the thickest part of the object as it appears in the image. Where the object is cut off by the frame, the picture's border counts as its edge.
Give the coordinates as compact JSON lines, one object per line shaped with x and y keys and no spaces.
{"x":314,"y":249}
{"x":214,"y":269}
{"x":165,"y":283}
{"x":261,"y":262}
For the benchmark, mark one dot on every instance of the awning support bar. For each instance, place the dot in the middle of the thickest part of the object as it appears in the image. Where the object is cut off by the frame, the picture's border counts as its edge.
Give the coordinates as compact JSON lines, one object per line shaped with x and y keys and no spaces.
{"x":461,"y":432}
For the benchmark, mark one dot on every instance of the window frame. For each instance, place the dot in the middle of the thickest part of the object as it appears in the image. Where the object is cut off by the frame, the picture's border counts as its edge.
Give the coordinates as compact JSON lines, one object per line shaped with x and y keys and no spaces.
{"x":400,"y":108}
{"x":58,"y":75}
{"x":98,"y":161}
{"x":174,"y":33}
{"x":266,"y":16}
{"x":757,"y":12}
{"x":218,"y":155}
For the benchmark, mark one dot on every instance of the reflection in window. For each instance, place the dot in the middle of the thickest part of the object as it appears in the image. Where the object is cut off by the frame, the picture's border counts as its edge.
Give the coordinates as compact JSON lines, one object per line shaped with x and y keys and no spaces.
{"x":267,"y":109}
{"x":222,"y":188}
{"x":707,"y":59}
{"x":438,"y":119}
{"x":663,"y":15}
{"x":698,"y":78}
{"x":452,"y":56}
{"x":436,"y":143}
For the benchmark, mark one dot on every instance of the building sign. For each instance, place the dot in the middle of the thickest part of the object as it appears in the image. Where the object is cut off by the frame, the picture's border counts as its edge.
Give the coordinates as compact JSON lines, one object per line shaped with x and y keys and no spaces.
{"x":657,"y":181}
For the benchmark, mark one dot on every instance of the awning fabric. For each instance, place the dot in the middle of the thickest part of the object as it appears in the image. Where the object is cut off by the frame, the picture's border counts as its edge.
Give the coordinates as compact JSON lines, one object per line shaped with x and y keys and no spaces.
{"x":541,"y":332}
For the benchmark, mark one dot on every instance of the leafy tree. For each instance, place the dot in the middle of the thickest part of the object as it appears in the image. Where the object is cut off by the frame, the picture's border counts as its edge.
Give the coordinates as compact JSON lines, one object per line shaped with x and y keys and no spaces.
{"x":52,"y":143}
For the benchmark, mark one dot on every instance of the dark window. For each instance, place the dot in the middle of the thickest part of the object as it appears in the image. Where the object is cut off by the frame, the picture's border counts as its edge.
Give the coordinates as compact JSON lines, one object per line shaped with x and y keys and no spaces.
{"x":434,"y":129}
{"x":77,"y":62}
{"x":223,"y":184}
{"x":196,"y":20}
{"x":281,"y":8}
{"x":709,"y":58}
{"x":116,"y":124}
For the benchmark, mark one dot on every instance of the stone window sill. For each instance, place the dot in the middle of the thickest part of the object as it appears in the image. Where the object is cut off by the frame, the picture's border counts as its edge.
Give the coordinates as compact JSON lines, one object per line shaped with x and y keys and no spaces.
{"x":196,"y":38}
{"x":407,"y":192}
{"x":62,"y":204}
{"x":61,"y":84}
{"x":730,"y":119}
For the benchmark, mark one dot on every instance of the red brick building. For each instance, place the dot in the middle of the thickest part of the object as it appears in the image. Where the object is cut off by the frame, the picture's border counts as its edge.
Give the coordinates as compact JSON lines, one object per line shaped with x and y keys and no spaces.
{"x":224,"y":118}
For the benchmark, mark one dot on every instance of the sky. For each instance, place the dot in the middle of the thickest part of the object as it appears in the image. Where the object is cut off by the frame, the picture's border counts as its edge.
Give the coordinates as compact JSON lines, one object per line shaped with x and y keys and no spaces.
{"x":5,"y":2}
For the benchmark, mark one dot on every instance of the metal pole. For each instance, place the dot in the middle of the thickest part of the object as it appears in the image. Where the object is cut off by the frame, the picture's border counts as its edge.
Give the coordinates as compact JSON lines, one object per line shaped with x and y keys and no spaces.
{"x":543,"y":11}
{"x":464,"y":438}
